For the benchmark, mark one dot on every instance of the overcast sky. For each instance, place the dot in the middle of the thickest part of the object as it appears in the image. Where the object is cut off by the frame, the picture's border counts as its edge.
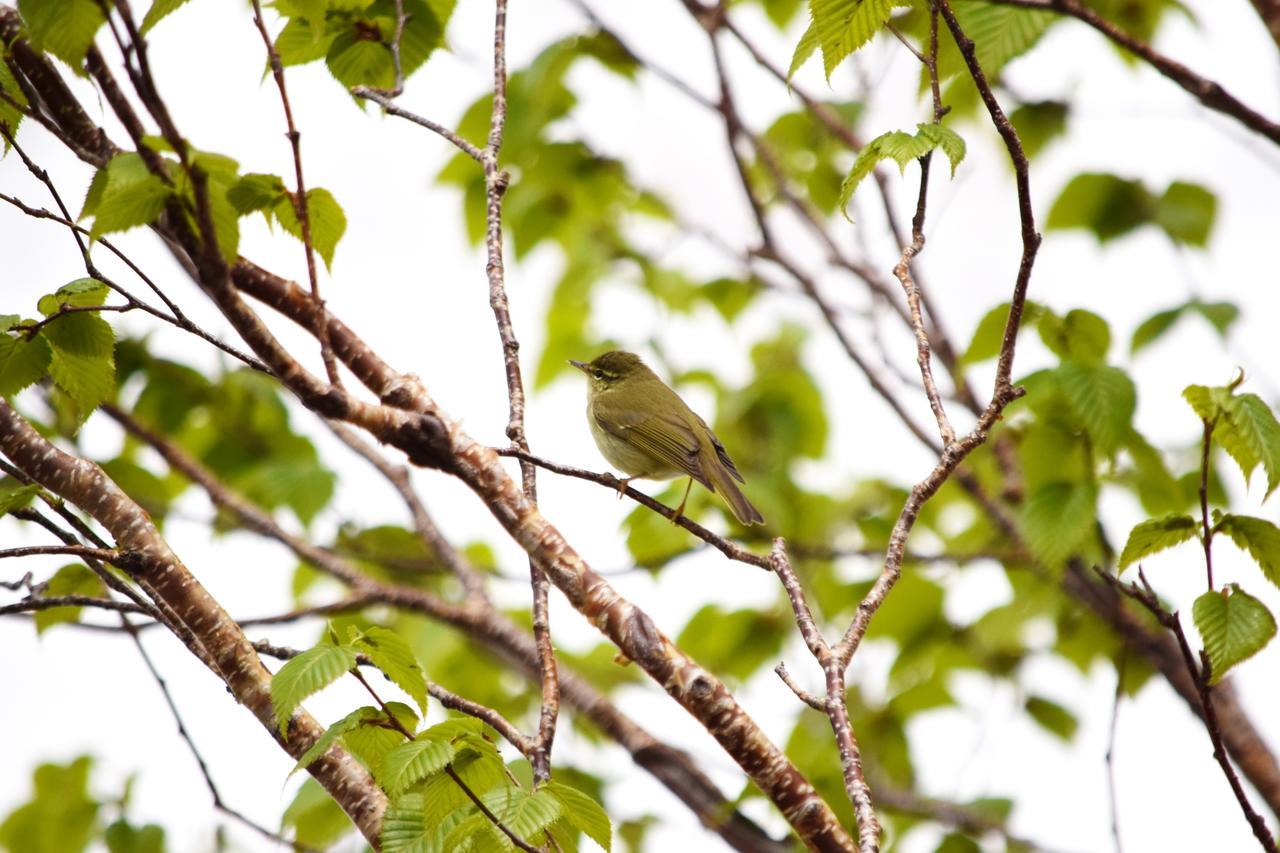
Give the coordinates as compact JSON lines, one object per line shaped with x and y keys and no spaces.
{"x":405,"y":279}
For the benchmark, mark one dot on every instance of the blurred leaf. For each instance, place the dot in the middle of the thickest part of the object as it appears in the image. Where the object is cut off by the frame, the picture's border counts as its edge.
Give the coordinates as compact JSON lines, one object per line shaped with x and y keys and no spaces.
{"x":123,"y":837}
{"x":1104,"y":400}
{"x":71,"y":579}
{"x":1257,"y":536}
{"x":59,"y":817}
{"x":1186,"y":213}
{"x":734,"y":642}
{"x":1104,"y":204}
{"x":65,"y":28}
{"x":317,"y":820}
{"x":1052,"y":717}
{"x":1234,"y":626}
{"x":1079,"y":335}
{"x":1057,"y":519}
{"x":1039,"y":123}
{"x":23,"y":361}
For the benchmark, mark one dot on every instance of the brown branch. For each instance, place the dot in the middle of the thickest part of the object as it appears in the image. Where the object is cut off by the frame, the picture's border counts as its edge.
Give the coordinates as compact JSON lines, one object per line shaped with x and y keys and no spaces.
{"x":833,"y":703}
{"x":1146,"y":596}
{"x":1117,"y":697}
{"x":1204,"y":90}
{"x":391,"y":107}
{"x":105,"y":555}
{"x":34,"y":604}
{"x":169,"y":581}
{"x":300,"y":205}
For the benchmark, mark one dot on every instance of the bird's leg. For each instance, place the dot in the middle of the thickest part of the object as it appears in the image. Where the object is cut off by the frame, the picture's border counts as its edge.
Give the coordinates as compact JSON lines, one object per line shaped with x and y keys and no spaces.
{"x":623,"y":484}
{"x":683,"y":501}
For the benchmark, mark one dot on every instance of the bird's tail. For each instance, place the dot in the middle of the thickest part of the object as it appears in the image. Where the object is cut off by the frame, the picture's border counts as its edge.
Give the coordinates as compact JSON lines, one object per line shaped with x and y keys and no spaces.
{"x":743,"y":510}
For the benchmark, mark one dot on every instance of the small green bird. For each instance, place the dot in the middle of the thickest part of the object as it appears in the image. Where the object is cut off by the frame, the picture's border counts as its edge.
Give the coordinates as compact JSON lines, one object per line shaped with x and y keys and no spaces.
{"x":643,"y":428}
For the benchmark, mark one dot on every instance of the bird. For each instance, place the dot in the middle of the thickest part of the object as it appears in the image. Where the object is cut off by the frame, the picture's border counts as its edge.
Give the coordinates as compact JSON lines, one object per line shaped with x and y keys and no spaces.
{"x":643,"y":428}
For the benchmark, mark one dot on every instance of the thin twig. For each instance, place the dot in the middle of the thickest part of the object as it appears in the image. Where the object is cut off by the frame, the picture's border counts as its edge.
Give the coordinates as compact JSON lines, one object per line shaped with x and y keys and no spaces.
{"x":300,"y":202}
{"x":391,"y":107}
{"x":105,"y":555}
{"x":1207,"y":537}
{"x":1121,"y":665}
{"x":1146,"y":596}
{"x":1204,"y":90}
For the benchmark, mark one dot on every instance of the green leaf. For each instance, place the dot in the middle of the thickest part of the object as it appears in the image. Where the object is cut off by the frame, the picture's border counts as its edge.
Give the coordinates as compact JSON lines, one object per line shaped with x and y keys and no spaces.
{"x":999,"y":34}
{"x":804,"y":49}
{"x":1221,"y":315}
{"x":405,"y":828}
{"x":83,"y":358}
{"x":317,"y":820}
{"x":902,"y":148}
{"x":1039,"y":123}
{"x":354,"y":60}
{"x":256,"y":192}
{"x":1057,"y":519}
{"x":81,"y":293}
{"x":1052,"y":717}
{"x":477,"y":834}
{"x":16,"y":495}
{"x":23,"y":362}
{"x":10,"y":116}
{"x":583,"y":813}
{"x":1186,"y":213}
{"x":328,"y":222}
{"x":525,"y":813}
{"x":1259,"y":537}
{"x":1104,"y":204}
{"x":1251,"y":423}
{"x":60,"y":815}
{"x":1208,"y":403}
{"x":1154,"y":535}
{"x":301,"y":42}
{"x":1234,"y":626}
{"x":843,"y":26}
{"x":371,"y":743}
{"x":71,"y":579}
{"x":415,"y":760}
{"x":1153,"y":327}
{"x":308,"y":673}
{"x":393,"y":656}
{"x":123,"y":837}
{"x":335,"y":731}
{"x":64,"y":28}
{"x":131,"y":196}
{"x":160,"y":9}
{"x":1104,"y":400}
{"x":988,"y":336}
{"x":1080,"y":335}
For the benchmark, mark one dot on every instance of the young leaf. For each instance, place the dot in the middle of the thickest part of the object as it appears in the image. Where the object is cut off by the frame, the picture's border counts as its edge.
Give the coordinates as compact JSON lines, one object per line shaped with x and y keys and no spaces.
{"x":902,"y":148}
{"x":1234,"y":626}
{"x":414,"y":760}
{"x":1186,"y":212}
{"x":335,"y":731}
{"x":1104,"y":204}
{"x":946,"y":139}
{"x":1259,"y":537}
{"x":15,"y":495}
{"x":254,"y":192}
{"x":81,"y":293}
{"x":583,"y":813}
{"x":804,"y":49}
{"x":843,"y":26}
{"x":1154,"y":535}
{"x":129,"y":197}
{"x":23,"y":362}
{"x":83,"y":358}
{"x":1251,"y":423}
{"x":393,"y":656}
{"x":477,"y":834}
{"x":328,"y":222}
{"x":308,"y":673}
{"x":1153,"y":327}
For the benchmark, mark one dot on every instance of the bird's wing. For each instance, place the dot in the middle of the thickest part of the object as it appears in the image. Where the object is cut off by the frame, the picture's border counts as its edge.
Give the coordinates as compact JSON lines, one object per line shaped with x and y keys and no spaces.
{"x":669,"y":439}
{"x":720,"y":451}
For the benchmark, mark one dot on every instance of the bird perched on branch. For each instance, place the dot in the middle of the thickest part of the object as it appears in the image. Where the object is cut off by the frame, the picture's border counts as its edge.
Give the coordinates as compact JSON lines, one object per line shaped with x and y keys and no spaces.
{"x":643,"y":428}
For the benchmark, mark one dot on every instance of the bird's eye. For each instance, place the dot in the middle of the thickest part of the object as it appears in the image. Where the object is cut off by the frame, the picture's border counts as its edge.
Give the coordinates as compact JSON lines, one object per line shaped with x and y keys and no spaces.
{"x":598,"y":374}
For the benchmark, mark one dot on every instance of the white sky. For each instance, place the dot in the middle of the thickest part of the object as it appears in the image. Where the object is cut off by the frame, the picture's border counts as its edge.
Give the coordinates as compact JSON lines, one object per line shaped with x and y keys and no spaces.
{"x":405,"y":279}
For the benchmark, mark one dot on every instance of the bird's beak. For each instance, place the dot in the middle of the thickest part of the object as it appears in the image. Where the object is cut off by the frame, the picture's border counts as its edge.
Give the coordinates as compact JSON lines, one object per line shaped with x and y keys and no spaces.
{"x":581,"y":365}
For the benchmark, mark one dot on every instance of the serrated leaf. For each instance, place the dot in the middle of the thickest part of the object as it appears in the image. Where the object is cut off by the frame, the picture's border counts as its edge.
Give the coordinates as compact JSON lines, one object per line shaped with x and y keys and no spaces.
{"x":372,"y":743}
{"x":328,"y":222}
{"x":160,"y":9}
{"x":23,"y":362}
{"x":355,"y":60}
{"x":477,"y":834}
{"x":393,"y":656}
{"x":999,"y":33}
{"x":1234,"y":625}
{"x":1257,"y":536}
{"x":131,"y":196}
{"x":804,"y":49}
{"x":256,"y":192}
{"x":11,"y":116}
{"x":1206,"y":402}
{"x":405,"y":828}
{"x":64,"y":28}
{"x":947,"y":139}
{"x":1154,"y":535}
{"x":1104,"y":400}
{"x":415,"y":760}
{"x":82,"y":361}
{"x":335,"y":731}
{"x":1250,"y":421}
{"x":583,"y":813}
{"x":843,"y":26}
{"x":1057,"y":519}
{"x":525,"y":813}
{"x":480,"y":768}
{"x":308,"y":673}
